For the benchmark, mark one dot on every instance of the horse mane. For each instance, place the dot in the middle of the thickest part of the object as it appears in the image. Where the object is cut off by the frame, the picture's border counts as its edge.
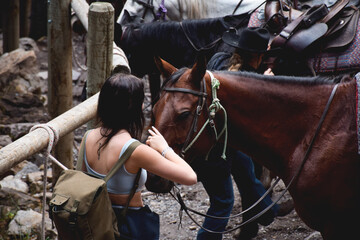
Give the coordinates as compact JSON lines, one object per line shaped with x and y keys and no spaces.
{"x":317,"y":80}
{"x":194,"y":9}
{"x":198,"y":30}
{"x":161,"y":29}
{"x":173,"y":78}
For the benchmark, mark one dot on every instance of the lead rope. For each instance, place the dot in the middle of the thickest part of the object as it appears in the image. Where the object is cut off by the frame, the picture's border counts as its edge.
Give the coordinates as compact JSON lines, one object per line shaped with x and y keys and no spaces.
{"x":53,"y":138}
{"x":213,"y":108}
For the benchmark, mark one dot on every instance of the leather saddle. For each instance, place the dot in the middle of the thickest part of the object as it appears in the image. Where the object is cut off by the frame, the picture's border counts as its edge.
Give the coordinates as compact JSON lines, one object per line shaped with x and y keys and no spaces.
{"x":297,"y":30}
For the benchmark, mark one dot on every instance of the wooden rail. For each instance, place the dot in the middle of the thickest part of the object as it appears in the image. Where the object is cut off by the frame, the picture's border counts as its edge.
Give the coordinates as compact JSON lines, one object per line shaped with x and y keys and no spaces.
{"x":35,"y":141}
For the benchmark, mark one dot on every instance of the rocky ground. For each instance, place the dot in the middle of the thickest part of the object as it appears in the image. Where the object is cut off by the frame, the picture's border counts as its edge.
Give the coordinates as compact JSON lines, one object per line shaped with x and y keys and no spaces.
{"x":23,"y":90}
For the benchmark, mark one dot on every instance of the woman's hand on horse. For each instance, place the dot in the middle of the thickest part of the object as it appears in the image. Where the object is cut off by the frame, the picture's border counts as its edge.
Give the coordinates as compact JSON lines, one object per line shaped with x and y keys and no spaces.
{"x":269,"y":72}
{"x":156,"y":140}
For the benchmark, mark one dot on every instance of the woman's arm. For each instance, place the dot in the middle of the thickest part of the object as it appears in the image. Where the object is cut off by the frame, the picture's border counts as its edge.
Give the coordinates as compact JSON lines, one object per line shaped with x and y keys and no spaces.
{"x":170,"y":166}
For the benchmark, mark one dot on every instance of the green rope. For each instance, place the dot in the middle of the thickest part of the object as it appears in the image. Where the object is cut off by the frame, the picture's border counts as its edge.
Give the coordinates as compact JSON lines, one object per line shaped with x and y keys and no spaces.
{"x":213,"y":109}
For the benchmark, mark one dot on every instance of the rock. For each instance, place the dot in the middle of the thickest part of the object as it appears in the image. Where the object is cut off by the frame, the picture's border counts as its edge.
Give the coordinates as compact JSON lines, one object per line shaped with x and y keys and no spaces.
{"x":43,"y":75}
{"x":15,"y":63}
{"x":38,"y":176}
{"x":14,"y":183}
{"x":4,"y":140}
{"x":16,"y":108}
{"x":28,"y":169}
{"x":36,"y":183}
{"x":16,"y":199}
{"x":28,"y":44}
{"x":75,"y":75}
{"x":17,"y":130}
{"x":29,"y":223}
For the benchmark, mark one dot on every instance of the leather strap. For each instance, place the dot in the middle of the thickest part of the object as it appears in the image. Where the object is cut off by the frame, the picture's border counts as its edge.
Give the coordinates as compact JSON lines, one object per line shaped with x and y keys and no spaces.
{"x":133,"y":190}
{"x":117,"y":165}
{"x":307,"y":19}
{"x":125,"y":156}
{"x":315,"y":14}
{"x":335,"y":10}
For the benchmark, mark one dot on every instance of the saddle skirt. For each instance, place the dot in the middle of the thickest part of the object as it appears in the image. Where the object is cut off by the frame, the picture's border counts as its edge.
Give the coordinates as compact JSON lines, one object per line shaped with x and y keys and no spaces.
{"x":295,"y":30}
{"x":327,"y":55}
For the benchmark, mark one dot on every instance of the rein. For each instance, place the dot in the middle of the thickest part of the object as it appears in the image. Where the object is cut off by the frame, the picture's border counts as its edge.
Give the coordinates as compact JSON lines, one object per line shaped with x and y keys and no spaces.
{"x":207,"y":47}
{"x":179,"y":199}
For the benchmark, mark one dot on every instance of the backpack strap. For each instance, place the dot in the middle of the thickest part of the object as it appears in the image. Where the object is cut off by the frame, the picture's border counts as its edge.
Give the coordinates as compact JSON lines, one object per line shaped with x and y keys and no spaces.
{"x":81,"y":152}
{"x":133,"y":190}
{"x":122,"y":159}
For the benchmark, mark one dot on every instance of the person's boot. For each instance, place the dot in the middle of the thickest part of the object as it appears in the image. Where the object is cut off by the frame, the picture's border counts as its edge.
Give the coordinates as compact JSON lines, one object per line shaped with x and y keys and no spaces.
{"x":248,"y":231}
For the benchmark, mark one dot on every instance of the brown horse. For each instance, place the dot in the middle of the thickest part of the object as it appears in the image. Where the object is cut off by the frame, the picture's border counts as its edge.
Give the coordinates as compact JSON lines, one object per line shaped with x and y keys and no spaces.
{"x":273,"y":119}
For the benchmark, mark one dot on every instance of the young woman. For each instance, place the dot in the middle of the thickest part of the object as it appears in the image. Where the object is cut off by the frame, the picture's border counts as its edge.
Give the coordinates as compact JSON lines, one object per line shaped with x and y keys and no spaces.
{"x":121,"y":119}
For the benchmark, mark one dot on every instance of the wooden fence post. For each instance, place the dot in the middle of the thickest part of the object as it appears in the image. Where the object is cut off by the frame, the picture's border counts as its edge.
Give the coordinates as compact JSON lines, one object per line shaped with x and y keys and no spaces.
{"x":25,"y":13}
{"x":10,"y":19}
{"x":120,"y":62}
{"x":60,"y":97}
{"x":99,"y":47}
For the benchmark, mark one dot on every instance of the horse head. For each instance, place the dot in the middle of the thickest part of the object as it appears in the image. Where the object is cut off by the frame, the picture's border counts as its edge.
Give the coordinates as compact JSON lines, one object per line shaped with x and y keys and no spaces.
{"x":181,"y":109}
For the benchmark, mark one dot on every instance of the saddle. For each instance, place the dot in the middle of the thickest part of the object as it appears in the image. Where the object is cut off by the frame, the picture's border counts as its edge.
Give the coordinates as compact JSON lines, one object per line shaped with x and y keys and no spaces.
{"x":297,"y":31}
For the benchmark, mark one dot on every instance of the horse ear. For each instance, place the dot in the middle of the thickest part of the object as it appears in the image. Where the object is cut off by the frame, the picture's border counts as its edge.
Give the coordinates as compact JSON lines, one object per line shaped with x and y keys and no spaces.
{"x":165,"y":68}
{"x":198,"y":70}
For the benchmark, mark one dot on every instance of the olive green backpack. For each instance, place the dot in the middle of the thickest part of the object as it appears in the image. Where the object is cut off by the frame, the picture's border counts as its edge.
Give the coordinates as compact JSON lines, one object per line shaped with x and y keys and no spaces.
{"x":80,"y":206}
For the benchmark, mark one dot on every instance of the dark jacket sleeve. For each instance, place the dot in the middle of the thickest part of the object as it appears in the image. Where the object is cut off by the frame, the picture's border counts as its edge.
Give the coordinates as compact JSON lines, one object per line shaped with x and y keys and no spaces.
{"x":219,"y":61}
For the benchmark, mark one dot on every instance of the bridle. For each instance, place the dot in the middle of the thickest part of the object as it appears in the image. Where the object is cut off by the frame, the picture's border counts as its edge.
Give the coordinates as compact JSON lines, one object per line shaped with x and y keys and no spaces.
{"x":202,"y":97}
{"x":160,"y":15}
{"x":211,"y":111}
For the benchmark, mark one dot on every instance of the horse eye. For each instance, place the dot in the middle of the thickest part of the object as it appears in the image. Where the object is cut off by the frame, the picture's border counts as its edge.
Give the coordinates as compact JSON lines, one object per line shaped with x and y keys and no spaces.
{"x":183,"y":115}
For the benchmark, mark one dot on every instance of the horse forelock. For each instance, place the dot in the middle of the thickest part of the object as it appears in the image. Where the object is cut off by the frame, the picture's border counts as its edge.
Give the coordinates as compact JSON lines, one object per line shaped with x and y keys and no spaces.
{"x":317,"y":80}
{"x":173,"y":78}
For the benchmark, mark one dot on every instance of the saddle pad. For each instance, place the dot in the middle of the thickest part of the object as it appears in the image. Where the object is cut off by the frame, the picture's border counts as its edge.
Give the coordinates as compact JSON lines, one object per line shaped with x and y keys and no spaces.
{"x":339,"y":61}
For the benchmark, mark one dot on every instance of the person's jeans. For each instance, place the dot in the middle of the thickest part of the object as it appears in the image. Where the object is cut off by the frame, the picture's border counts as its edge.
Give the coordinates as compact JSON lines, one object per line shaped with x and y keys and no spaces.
{"x":214,"y":174}
{"x":215,"y":177}
{"x":221,"y":196}
{"x":250,"y":188}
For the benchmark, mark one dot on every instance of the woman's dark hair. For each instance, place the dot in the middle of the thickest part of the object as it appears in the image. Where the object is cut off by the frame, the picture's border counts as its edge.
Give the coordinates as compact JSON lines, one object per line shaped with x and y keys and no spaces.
{"x":120,"y":106}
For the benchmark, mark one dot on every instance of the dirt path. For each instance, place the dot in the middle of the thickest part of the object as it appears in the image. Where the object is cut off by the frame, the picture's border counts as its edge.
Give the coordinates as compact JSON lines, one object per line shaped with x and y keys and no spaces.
{"x":289,"y":227}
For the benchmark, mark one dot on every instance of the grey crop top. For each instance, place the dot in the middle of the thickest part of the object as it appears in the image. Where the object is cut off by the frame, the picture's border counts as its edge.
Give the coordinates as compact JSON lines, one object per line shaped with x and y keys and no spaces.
{"x":122,"y":181}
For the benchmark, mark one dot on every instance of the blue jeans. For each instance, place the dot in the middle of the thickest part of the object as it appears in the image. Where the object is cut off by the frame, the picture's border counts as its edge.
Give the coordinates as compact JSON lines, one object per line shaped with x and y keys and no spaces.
{"x":250,"y":188}
{"x":215,"y":177}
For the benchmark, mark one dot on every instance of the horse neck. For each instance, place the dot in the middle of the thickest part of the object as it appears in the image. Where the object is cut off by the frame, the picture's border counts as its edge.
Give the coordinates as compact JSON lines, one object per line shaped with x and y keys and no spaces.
{"x":269,"y":120}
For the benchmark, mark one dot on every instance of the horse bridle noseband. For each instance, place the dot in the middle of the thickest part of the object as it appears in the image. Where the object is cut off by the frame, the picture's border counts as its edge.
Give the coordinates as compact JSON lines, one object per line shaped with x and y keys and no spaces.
{"x":202,"y":95}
